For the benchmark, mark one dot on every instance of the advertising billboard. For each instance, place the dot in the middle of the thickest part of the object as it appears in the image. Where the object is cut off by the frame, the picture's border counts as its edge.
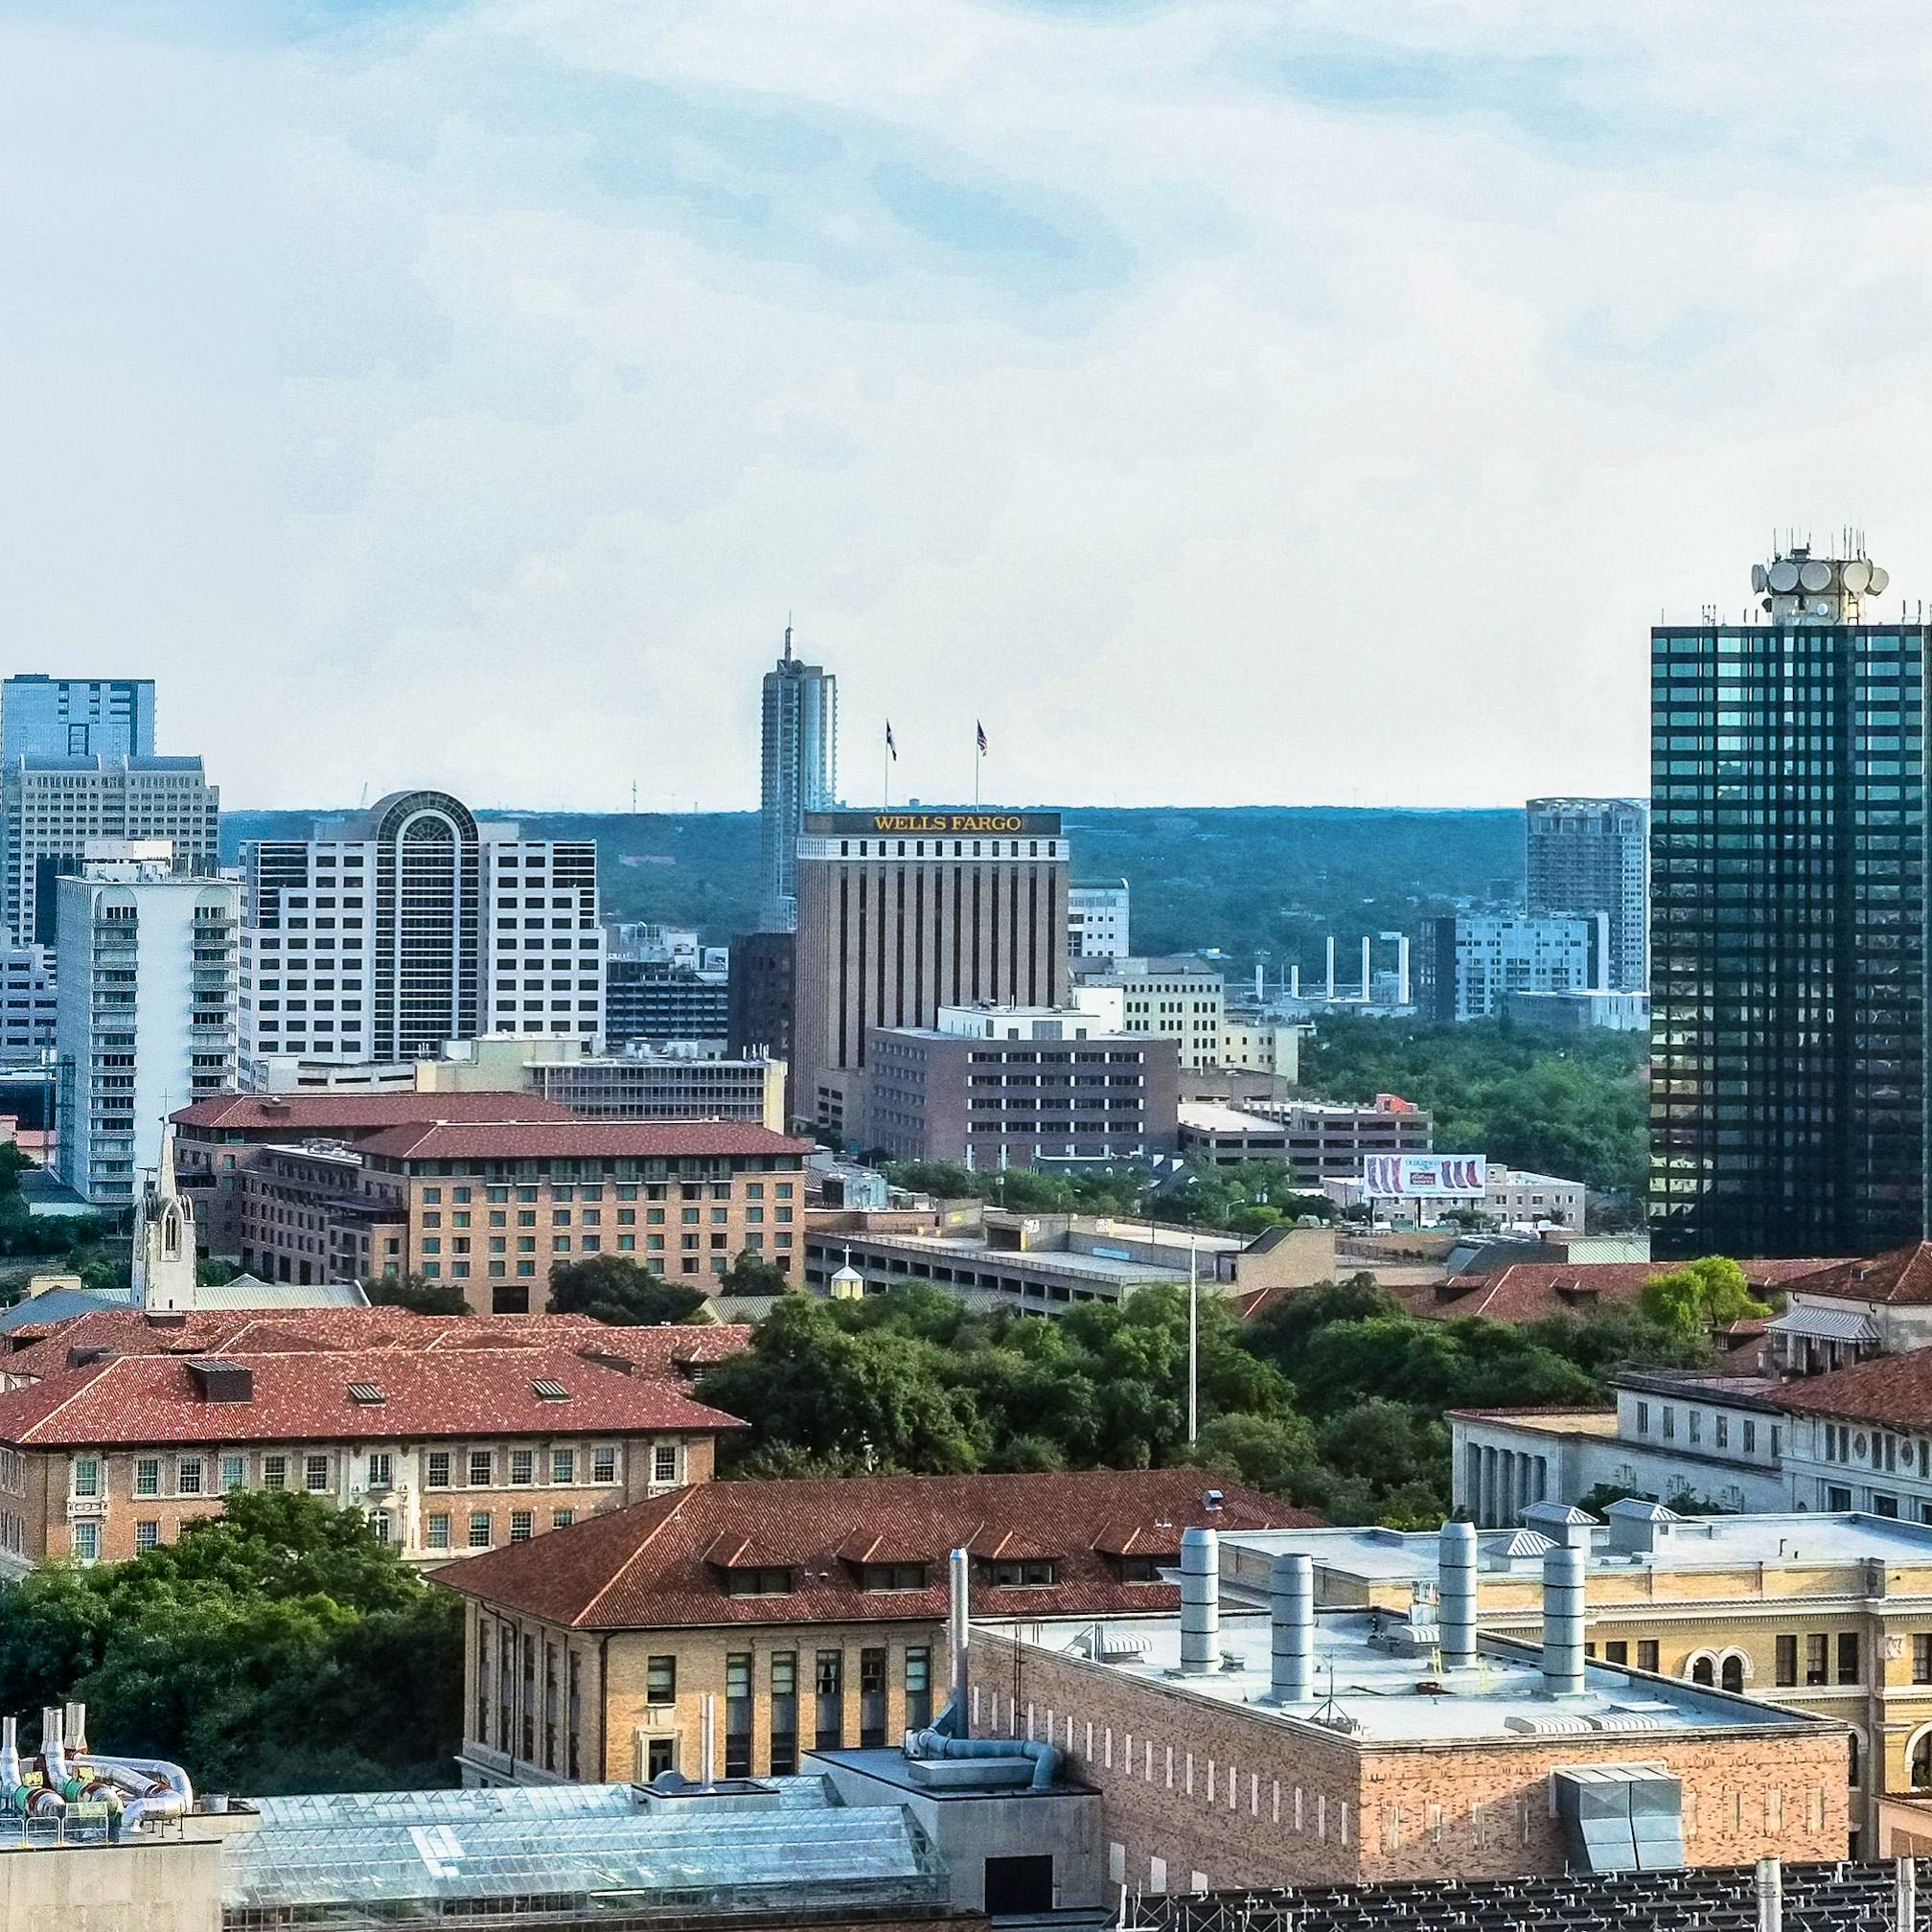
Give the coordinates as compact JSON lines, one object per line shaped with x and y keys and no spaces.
{"x":1424,"y":1177}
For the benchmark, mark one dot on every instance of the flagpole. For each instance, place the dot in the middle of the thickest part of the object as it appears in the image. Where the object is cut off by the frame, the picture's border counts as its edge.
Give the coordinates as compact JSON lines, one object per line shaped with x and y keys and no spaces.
{"x":1193,"y":1339}
{"x":978,"y":759}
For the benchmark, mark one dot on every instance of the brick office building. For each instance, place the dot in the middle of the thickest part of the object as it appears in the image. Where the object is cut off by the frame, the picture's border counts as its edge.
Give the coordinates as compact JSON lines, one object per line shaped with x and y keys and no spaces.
{"x":796,"y":1615}
{"x":450,"y":1434}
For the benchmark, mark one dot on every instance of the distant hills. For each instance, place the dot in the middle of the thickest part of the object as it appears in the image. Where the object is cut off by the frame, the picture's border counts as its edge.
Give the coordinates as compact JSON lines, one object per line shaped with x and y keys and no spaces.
{"x":1273,"y":878}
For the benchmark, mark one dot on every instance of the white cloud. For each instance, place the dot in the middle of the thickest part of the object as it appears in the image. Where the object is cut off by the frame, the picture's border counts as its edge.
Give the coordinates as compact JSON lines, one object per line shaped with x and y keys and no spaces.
{"x":1226,"y":402}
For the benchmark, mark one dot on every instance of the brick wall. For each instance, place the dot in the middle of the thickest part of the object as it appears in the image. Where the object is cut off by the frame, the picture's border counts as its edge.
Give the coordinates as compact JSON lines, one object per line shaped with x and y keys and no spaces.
{"x":1214,"y":1789}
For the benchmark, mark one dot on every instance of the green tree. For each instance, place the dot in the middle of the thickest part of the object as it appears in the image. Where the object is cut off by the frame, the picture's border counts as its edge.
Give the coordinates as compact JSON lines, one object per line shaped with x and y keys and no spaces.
{"x":752,"y":1273}
{"x":614,"y":1288}
{"x":1699,"y":1297}
{"x":417,"y":1294}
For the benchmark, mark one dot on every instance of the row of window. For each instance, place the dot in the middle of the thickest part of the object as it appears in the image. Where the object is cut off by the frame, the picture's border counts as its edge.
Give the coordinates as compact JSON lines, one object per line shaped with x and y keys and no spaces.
{"x":1721,"y":1431}
{"x":316,"y":1472}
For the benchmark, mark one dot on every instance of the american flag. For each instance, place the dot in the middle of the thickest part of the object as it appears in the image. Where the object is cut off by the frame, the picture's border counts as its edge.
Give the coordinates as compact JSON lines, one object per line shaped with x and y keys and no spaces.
{"x":981,"y":729}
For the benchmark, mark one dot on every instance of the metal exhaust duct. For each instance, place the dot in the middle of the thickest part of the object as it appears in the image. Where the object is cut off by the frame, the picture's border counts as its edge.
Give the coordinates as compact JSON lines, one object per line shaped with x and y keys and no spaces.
{"x":1564,"y":1571}
{"x":1291,"y":1602}
{"x":1200,"y":1601}
{"x":1456,"y":1593}
{"x":75,"y":1735}
{"x":959,"y":1622}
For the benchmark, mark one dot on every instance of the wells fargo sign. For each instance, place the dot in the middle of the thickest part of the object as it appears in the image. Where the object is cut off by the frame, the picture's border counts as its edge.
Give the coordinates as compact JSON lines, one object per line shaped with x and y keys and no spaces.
{"x":948,"y":824}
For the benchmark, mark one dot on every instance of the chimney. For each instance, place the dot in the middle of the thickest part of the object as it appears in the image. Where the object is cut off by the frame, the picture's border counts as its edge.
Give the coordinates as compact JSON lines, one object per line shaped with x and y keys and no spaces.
{"x":1200,"y":1601}
{"x":1565,"y":1567}
{"x":958,"y":1572}
{"x":1291,"y":1600}
{"x":76,"y":1739}
{"x":1456,"y":1593}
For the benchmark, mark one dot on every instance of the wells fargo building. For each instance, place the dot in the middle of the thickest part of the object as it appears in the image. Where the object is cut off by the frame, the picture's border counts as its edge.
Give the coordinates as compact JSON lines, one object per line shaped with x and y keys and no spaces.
{"x":900,"y":913}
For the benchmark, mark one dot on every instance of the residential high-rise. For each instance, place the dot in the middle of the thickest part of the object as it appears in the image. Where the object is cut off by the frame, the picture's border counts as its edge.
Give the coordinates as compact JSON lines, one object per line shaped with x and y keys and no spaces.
{"x":798,"y":772}
{"x":50,"y":807}
{"x":902,"y":912}
{"x":146,"y":1015}
{"x":43,"y":717}
{"x":1592,"y":855}
{"x":409,"y":925}
{"x":1470,"y":964}
{"x":1788,"y":869}
{"x":1097,"y":921}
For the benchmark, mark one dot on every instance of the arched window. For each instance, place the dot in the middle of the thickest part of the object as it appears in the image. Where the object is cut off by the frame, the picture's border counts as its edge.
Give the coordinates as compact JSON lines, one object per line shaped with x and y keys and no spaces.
{"x":1733,"y":1672}
{"x":1701,"y":1671}
{"x":1921,"y":1761}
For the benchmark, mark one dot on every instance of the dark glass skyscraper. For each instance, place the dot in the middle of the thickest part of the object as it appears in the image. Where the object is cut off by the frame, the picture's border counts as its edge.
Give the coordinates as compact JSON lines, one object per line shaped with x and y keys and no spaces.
{"x":1788,"y":879}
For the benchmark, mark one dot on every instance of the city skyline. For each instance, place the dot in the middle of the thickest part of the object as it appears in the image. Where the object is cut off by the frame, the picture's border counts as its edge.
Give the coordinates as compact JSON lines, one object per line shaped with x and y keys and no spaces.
{"x":1278,"y":350}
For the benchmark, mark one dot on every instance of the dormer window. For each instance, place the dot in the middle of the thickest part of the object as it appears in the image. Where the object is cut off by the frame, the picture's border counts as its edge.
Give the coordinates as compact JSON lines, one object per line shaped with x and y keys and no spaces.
{"x":893,"y":1577}
{"x":1139,"y":1569}
{"x":768,"y":1579}
{"x":1031,"y":1572}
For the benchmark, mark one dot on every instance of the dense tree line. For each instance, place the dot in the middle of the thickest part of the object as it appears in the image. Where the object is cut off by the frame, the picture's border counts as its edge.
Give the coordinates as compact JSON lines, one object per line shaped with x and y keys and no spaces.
{"x":1334,"y":1397}
{"x":1574,"y":1106}
{"x":276,"y":1648}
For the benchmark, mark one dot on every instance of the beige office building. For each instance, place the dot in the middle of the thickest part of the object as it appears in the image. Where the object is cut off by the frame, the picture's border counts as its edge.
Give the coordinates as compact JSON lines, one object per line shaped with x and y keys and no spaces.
{"x":902,"y":912}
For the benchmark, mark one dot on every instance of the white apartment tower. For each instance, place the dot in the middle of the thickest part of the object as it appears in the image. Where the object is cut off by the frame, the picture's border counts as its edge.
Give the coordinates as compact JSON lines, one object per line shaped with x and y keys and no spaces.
{"x":1592,"y":855}
{"x":412,"y":924}
{"x":798,"y":772}
{"x":145,"y":1009}
{"x":50,"y":808}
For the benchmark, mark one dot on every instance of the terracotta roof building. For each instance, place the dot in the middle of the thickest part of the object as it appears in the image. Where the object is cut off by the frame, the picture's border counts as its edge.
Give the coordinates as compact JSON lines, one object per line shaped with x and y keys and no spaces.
{"x":489,"y":1194}
{"x":800,"y":1615}
{"x":450,"y":1434}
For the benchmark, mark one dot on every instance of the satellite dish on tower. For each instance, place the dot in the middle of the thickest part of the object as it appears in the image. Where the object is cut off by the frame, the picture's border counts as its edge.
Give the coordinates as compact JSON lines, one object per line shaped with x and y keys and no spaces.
{"x":1880,"y":579}
{"x":1782,"y":575}
{"x":1758,"y":577}
{"x":1815,"y":576}
{"x":1857,"y":576}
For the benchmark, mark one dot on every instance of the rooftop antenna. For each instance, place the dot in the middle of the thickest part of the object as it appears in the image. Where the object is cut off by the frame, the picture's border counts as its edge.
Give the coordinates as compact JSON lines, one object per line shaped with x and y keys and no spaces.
{"x":787,"y":637}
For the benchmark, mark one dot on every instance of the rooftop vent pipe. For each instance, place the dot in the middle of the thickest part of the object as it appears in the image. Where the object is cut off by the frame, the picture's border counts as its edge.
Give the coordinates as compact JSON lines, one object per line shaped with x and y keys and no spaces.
{"x":1290,"y":1601}
{"x":1563,"y":1622}
{"x":1200,"y":1601}
{"x":1456,"y":1593}
{"x":958,"y":1619}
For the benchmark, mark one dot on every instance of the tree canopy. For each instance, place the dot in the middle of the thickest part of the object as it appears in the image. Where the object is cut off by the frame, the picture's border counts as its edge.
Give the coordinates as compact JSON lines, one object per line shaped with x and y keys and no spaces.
{"x":614,"y":1288}
{"x":276,"y":1648}
{"x":1700,"y":1296}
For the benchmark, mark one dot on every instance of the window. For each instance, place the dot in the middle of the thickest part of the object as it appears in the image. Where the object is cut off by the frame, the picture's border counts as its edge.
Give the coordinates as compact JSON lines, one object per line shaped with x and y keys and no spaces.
{"x":561,"y":1519}
{"x":147,"y":1475}
{"x":767,"y":1580}
{"x":660,"y":1754}
{"x":784,"y":1712}
{"x":479,"y":1528}
{"x":918,"y":1687}
{"x":894,"y":1577}
{"x":86,"y":1542}
{"x":274,"y":1472}
{"x":234,"y":1472}
{"x":664,"y":1463}
{"x":379,"y":1524}
{"x":1787,"y":1649}
{"x":380,"y":1474}
{"x":188,"y":1473}
{"x":1616,"y":1651}
{"x":1732,"y":1675}
{"x":86,"y":1476}
{"x":147,"y":1537}
{"x":1721,"y":1431}
{"x":1848,"y":1657}
{"x":1816,"y":1660}
{"x":480,"y":1461}
{"x":522,"y":1522}
{"x":1921,"y":1657}
{"x":1139,"y":1569}
{"x":436,"y":1531}
{"x":829,"y":1683}
{"x":871,"y":1699}
{"x":437,"y":1474}
{"x":1033,"y":1574}
{"x":314,"y":1473}
{"x":523,"y":1469}
{"x":661,"y":1680}
{"x":738,"y":1714}
{"x":563,"y":1466}
{"x":604,"y":1465}
{"x":1646,"y":1653}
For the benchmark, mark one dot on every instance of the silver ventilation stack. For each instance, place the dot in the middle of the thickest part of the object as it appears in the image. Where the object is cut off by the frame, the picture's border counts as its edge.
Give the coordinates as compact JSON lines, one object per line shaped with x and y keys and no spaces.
{"x":1291,"y":1603}
{"x":958,"y":1619}
{"x":1200,"y":1601}
{"x":1565,"y":1616}
{"x":1455,"y":1594}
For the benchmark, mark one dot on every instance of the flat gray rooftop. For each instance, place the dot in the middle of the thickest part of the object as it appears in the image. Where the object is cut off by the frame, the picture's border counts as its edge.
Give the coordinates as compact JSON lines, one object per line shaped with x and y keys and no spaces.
{"x":1501,"y":1696}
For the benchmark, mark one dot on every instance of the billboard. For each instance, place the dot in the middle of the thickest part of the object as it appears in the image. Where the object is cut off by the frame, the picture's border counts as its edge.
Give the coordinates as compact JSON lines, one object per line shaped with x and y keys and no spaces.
{"x":1424,"y":1177}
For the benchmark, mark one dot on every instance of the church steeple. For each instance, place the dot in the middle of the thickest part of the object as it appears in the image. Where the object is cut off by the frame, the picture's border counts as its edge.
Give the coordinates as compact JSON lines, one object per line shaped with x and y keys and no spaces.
{"x":164,"y":1238}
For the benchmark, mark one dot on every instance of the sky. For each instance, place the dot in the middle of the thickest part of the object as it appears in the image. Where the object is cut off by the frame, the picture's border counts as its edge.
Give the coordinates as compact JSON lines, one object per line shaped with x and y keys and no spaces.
{"x":1223,"y":402}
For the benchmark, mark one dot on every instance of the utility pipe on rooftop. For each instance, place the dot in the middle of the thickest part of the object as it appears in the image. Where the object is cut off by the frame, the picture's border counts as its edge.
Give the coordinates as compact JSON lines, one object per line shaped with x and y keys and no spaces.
{"x":959,"y":1622}
{"x":1456,"y":1593}
{"x":1291,"y":1603}
{"x":1200,"y":1601}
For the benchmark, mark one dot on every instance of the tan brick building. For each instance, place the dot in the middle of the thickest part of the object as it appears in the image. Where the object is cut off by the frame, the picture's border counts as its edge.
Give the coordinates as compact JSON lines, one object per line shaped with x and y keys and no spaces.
{"x":793,"y":1616}
{"x":450,"y":1434}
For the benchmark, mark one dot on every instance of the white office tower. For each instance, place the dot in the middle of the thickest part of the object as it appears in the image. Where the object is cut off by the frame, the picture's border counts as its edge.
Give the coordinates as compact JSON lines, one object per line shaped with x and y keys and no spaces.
{"x":50,"y":808}
{"x":798,"y":773}
{"x":43,"y":717}
{"x":146,"y":1010}
{"x":1096,"y":922}
{"x":410,"y":924}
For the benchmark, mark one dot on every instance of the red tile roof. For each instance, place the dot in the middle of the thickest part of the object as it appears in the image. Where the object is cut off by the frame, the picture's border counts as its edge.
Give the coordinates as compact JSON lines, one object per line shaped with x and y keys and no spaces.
{"x":1901,"y":1276}
{"x":325,"y":1112}
{"x":304,"y":1397}
{"x":574,"y":1138}
{"x":660,"y":1564}
{"x":1531,"y":1291}
{"x":1893,"y":1391}
{"x":128,"y":1331}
